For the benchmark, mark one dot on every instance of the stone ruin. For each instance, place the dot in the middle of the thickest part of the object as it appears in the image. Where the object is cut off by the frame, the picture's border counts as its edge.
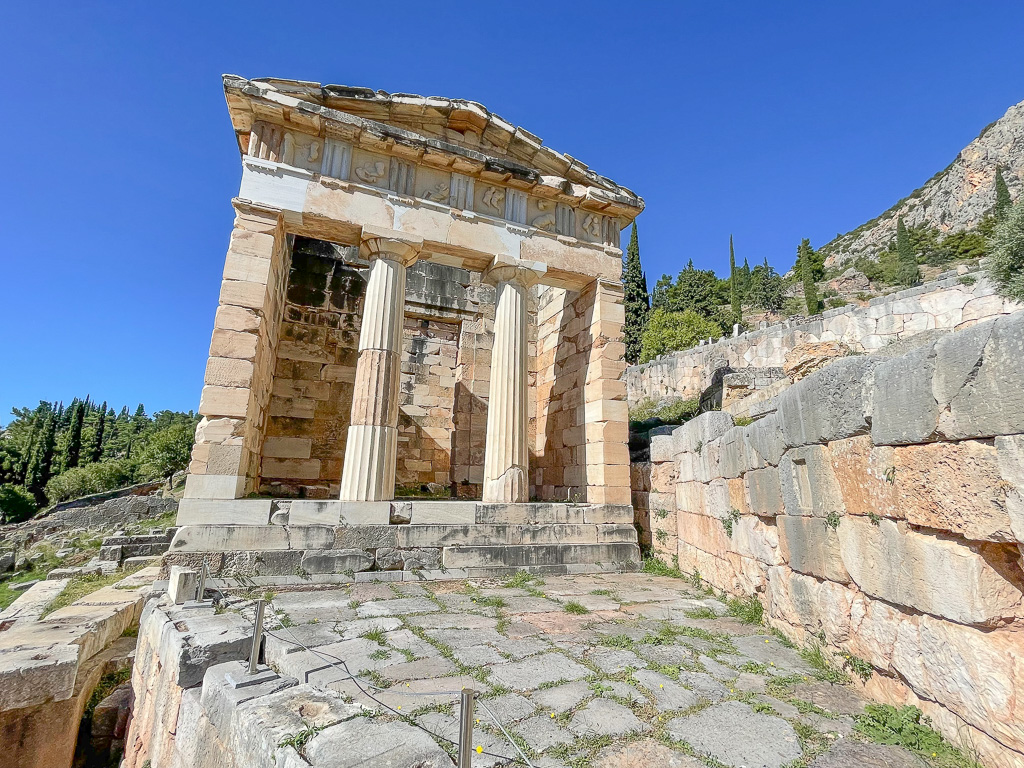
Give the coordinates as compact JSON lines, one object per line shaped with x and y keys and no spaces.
{"x":418,"y":297}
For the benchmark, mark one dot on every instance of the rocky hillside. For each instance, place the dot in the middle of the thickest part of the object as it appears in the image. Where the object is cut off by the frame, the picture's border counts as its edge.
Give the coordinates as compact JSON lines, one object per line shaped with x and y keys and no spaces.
{"x":955,"y":199}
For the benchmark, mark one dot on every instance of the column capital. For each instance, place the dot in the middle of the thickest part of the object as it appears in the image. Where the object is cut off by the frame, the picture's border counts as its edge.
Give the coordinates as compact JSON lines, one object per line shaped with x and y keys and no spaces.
{"x":380,"y":243}
{"x":525,"y":273}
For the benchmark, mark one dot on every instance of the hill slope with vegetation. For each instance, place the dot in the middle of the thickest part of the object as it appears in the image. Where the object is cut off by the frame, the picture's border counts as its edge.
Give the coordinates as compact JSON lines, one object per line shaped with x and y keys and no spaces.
{"x":52,"y":452}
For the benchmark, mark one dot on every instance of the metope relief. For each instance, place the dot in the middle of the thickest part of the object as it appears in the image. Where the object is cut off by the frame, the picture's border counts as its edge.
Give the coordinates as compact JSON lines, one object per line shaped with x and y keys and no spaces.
{"x":592,"y":226}
{"x":371,"y":172}
{"x":438,"y":193}
{"x":493,"y":199}
{"x":545,"y":220}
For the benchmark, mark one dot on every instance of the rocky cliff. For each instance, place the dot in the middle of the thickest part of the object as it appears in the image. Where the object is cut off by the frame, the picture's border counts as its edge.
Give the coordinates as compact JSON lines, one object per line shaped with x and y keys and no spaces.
{"x":955,"y":199}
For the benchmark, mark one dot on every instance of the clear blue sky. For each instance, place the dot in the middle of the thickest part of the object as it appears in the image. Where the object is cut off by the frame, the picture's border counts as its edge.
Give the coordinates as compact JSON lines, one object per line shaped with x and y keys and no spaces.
{"x":771,"y":121}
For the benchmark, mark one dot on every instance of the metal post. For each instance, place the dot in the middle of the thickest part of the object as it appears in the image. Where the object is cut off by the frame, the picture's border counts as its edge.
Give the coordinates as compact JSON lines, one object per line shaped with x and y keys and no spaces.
{"x":466,"y":728}
{"x":257,"y":637}
{"x":201,"y":586}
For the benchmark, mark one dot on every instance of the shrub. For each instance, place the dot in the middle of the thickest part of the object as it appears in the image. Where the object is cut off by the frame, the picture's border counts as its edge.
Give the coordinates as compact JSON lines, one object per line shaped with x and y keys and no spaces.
{"x":92,"y":478}
{"x":16,"y":504}
{"x":669,"y":331}
{"x":1006,"y":267}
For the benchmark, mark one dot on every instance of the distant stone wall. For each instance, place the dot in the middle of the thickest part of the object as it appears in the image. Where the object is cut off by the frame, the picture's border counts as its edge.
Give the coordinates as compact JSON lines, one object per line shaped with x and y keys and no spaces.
{"x":948,"y":303}
{"x":878,"y":510}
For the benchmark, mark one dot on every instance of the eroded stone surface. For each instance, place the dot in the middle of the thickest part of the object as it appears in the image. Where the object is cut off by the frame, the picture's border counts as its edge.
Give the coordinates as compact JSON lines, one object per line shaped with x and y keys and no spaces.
{"x":734,"y":734}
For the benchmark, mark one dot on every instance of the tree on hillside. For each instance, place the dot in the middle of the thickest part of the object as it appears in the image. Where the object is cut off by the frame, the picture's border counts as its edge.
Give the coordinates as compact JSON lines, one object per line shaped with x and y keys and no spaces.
{"x":693,"y":289}
{"x":1003,"y":201}
{"x":670,"y":331}
{"x":96,"y":446}
{"x":907,"y":271}
{"x":40,"y":465}
{"x":766,"y":288}
{"x":73,"y":442}
{"x":637,"y":302}
{"x":734,"y":279}
{"x":16,"y":504}
{"x":1006,"y":266}
{"x":169,"y":450}
{"x":805,"y":266}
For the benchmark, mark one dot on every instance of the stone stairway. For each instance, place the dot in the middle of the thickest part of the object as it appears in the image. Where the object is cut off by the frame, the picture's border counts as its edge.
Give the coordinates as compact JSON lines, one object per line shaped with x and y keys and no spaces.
{"x":294,"y":542}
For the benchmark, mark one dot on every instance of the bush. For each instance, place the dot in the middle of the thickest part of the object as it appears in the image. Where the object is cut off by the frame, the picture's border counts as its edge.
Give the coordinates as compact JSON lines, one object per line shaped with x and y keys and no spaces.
{"x":669,"y":331}
{"x":168,"y":451}
{"x":16,"y":504}
{"x":1006,"y":267}
{"x":668,"y":412}
{"x":92,"y":478}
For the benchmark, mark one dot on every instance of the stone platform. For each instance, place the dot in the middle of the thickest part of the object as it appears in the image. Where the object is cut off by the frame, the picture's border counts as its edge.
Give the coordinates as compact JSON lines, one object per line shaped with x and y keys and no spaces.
{"x":268,"y":541}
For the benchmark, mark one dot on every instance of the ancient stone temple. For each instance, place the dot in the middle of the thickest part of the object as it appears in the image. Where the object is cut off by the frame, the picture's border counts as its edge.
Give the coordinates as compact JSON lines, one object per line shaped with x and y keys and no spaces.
{"x":418,"y":299}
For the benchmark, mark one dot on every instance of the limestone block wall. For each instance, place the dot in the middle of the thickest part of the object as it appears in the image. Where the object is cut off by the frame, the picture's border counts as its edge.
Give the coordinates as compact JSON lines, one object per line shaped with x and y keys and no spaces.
{"x":582,"y":422}
{"x":880,"y":511}
{"x":243,"y":355}
{"x":947,"y":303}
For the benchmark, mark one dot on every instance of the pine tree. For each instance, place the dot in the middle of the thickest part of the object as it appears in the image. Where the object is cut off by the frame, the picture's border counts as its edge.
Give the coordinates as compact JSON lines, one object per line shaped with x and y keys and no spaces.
{"x":734,"y":287}
{"x":1002,"y":195}
{"x":73,"y":447}
{"x":804,"y":259}
{"x":637,"y":302}
{"x":907,"y":271}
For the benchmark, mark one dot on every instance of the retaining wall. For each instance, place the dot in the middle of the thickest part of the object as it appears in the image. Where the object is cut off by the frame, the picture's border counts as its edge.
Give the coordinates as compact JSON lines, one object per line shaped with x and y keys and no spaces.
{"x":878,"y":510}
{"x":949,"y":303}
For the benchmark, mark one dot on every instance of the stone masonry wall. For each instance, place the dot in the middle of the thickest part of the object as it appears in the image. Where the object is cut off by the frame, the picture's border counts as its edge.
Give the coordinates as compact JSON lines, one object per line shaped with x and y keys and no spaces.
{"x":949,"y":303}
{"x":879,"y":511}
{"x":581,"y":429}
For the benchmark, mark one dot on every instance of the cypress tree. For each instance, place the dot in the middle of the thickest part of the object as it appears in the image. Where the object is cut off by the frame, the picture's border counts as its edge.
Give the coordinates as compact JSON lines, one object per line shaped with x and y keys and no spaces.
{"x":804,"y":260}
{"x":907,"y":271}
{"x":734,"y":288}
{"x":638,"y":305}
{"x":41,"y":464}
{"x":73,"y":449}
{"x":96,"y":449}
{"x":1002,"y":195}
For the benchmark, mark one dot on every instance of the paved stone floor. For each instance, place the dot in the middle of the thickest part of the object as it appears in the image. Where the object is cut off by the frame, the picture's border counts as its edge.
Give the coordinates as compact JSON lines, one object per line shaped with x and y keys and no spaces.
{"x":613,"y":670}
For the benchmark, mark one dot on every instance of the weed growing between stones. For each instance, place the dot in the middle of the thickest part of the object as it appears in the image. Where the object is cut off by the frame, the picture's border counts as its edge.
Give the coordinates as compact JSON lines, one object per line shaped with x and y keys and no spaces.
{"x":575,"y":608}
{"x":660,"y":514}
{"x":807,"y":708}
{"x":380,"y":654}
{"x":858,"y":666}
{"x":80,"y":586}
{"x":749,"y":610}
{"x":824,"y":670}
{"x":106,"y":686}
{"x":730,"y":520}
{"x":656,"y":567}
{"x":832,"y":520}
{"x":299,"y":740}
{"x":376,"y":634}
{"x":603,"y":593}
{"x":907,"y":727}
{"x":780,"y":687}
{"x":701,"y":613}
{"x":661,"y":535}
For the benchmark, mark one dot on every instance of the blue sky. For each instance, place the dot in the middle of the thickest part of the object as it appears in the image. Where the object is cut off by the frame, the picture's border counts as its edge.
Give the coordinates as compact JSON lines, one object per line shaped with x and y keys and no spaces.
{"x":770,"y":121}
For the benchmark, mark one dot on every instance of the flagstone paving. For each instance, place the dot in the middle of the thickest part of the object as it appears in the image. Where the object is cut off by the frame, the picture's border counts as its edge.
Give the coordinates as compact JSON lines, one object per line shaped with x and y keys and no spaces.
{"x":650,"y":672}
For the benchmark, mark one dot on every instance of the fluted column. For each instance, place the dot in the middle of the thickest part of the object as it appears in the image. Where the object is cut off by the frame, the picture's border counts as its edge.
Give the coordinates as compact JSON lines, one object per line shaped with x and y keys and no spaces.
{"x":368,"y":473}
{"x":506,"y":476}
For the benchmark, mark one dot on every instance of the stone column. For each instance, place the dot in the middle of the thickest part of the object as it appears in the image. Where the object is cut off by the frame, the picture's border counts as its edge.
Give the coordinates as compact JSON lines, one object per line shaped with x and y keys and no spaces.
{"x":368,"y":473}
{"x":506,"y":479}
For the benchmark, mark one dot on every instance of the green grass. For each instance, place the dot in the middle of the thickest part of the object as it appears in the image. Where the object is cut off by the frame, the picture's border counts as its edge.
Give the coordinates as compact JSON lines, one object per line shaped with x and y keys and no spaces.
{"x":520,"y":580}
{"x":701,"y":613}
{"x":656,"y":567}
{"x":164,"y":521}
{"x":80,"y":586}
{"x":906,"y":727}
{"x":299,"y":740}
{"x":749,"y":610}
{"x":575,"y":608}
{"x":376,"y":634}
{"x":824,"y":670}
{"x":105,"y":687}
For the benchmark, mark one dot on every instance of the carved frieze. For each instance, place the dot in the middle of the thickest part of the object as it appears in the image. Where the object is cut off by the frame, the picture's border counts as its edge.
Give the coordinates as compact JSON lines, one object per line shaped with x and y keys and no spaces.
{"x":337,"y":160}
{"x":546,"y":219}
{"x":371,"y":172}
{"x":515,"y":206}
{"x":461,"y":195}
{"x":565,"y":220}
{"x":493,"y":200}
{"x":402,"y":177}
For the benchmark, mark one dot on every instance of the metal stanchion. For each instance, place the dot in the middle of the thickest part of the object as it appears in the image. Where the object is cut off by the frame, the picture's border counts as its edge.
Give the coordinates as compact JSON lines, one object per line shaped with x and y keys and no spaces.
{"x":201,"y":586}
{"x":257,"y":636}
{"x":466,"y":728}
